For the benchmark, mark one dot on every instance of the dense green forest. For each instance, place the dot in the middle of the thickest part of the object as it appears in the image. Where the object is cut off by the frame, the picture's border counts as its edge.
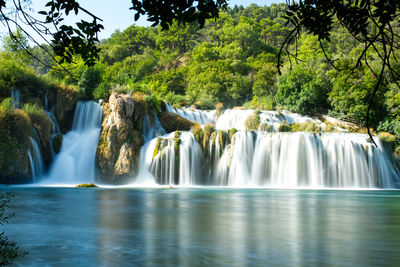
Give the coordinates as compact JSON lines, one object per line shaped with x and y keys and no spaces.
{"x":231,"y":60}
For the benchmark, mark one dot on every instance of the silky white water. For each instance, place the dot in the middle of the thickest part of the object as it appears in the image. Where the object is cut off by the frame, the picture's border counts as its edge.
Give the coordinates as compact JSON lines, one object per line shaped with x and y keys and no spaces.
{"x":35,"y":156}
{"x":75,"y":163}
{"x":252,"y":159}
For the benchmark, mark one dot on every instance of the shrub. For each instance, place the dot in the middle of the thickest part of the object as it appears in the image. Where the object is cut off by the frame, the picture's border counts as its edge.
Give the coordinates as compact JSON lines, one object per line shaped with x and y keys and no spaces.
{"x":219,"y":107}
{"x":387,"y":137}
{"x":305,"y":127}
{"x":39,"y":119}
{"x":284,"y":127}
{"x":253,"y":121}
{"x":329,"y":127}
{"x":265,"y":127}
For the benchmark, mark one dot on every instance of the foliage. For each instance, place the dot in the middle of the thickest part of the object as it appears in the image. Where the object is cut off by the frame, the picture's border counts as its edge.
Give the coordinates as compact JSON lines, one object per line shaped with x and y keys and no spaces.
{"x":302,"y":91}
{"x":252,"y":122}
{"x":305,"y":127}
{"x":38,"y":118}
{"x":284,"y":127}
{"x":232,"y":61}
{"x":8,"y":249}
{"x":183,"y":11}
{"x":90,"y":80}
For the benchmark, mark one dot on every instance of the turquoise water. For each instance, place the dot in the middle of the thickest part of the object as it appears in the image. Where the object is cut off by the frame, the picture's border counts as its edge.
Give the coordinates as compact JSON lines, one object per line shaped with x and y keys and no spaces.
{"x":198,"y":227}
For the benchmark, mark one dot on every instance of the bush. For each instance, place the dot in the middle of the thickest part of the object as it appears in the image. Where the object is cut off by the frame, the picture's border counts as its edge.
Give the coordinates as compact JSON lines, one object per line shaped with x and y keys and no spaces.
{"x":266,"y":128}
{"x":15,"y":130}
{"x":39,"y":119}
{"x":284,"y":127}
{"x":387,"y":137}
{"x":265,"y":102}
{"x":253,"y":121}
{"x":305,"y":127}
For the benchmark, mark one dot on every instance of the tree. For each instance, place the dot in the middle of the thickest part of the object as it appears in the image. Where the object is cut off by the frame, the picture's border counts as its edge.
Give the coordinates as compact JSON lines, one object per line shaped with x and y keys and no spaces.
{"x":370,"y":22}
{"x":81,"y":38}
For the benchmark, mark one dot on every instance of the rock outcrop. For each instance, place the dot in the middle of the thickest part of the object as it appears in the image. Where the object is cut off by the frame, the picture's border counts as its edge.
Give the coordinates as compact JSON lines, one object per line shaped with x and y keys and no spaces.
{"x":172,"y":122}
{"x":118,"y":150}
{"x":66,"y":100}
{"x":15,"y":130}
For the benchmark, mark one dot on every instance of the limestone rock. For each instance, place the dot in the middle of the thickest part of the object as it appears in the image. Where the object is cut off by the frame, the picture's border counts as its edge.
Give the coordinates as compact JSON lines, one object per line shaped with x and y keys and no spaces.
{"x":120,"y":141}
{"x":173,"y":122}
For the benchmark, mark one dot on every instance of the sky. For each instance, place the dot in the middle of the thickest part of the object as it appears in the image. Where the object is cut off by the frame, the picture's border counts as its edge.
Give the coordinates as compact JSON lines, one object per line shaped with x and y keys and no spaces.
{"x":116,"y":14}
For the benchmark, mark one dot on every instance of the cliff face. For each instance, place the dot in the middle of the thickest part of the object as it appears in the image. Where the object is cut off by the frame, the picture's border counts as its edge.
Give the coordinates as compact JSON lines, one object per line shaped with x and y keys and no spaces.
{"x":65,"y":103}
{"x":120,"y":141}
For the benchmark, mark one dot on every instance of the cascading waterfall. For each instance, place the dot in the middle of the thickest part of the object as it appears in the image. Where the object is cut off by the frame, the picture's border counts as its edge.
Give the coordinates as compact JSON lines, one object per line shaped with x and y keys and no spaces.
{"x":235,"y":118}
{"x":35,"y":156}
{"x":75,"y":162}
{"x":15,"y":94}
{"x":172,"y":159}
{"x":195,"y":115}
{"x":151,"y":130}
{"x":253,"y":159}
{"x":55,"y":129}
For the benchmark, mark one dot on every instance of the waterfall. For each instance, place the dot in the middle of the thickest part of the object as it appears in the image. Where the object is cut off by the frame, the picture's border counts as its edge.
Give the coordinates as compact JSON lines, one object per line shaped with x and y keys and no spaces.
{"x":76,"y":161}
{"x":173,"y":159}
{"x":15,"y":94}
{"x":35,"y":156}
{"x":193,"y":114}
{"x":151,"y":130}
{"x":235,"y":118}
{"x":266,"y":159}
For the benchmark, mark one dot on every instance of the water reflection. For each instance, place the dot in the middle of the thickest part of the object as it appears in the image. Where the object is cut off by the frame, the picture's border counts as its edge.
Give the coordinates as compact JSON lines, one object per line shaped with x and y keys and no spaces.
{"x":197,"y":227}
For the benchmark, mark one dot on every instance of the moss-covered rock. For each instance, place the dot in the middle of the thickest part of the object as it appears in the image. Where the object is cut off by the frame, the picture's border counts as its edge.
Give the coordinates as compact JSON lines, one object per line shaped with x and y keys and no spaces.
{"x":15,"y":130}
{"x":307,"y":126}
{"x":266,"y":128}
{"x":219,"y":107}
{"x":231,"y":132}
{"x":198,"y":133}
{"x":86,"y":185}
{"x":329,"y":127}
{"x":173,"y":122}
{"x":57,"y":143}
{"x":208,"y":130}
{"x":41,"y":122}
{"x":120,"y":140}
{"x":66,"y":100}
{"x":284,"y":127}
{"x":253,"y":121}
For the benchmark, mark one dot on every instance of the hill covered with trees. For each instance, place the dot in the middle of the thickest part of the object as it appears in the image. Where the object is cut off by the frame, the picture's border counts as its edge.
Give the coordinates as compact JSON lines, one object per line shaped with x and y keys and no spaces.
{"x":231,"y":60}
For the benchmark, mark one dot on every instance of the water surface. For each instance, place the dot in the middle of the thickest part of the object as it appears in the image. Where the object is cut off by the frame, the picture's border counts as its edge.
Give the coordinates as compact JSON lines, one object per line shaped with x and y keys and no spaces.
{"x":197,"y":227}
